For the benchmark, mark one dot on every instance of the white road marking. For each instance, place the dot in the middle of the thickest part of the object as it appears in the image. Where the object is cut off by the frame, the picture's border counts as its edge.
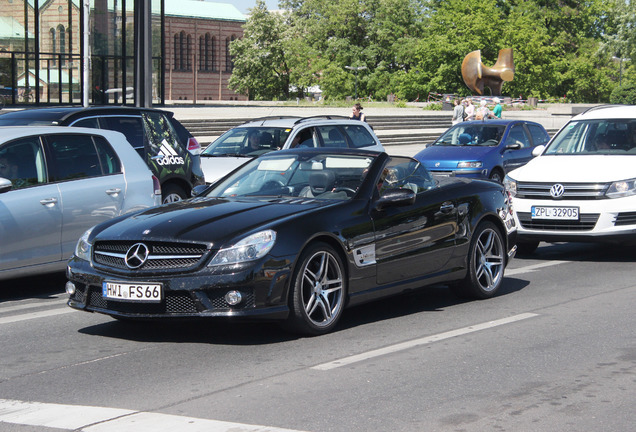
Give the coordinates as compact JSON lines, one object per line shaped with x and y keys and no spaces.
{"x":100,"y":419}
{"x":533,"y":267}
{"x":24,"y":306}
{"x":34,"y":315}
{"x":418,"y":342}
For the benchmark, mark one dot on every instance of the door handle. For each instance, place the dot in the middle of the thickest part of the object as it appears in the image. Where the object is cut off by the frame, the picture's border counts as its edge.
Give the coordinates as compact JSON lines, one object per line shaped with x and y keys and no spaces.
{"x":113,"y":191}
{"x":48,"y":201}
{"x":446,"y":208}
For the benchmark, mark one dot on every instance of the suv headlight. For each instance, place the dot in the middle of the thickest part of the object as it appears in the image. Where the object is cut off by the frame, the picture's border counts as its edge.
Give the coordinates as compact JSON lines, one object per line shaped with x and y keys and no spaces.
{"x":250,"y":248}
{"x":469,"y":164}
{"x":84,"y":247}
{"x":621,"y":189}
{"x":511,"y":185}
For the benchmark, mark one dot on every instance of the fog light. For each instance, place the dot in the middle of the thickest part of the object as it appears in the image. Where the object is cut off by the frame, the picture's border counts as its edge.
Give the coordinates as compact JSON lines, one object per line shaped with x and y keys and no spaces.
{"x":70,"y":288}
{"x":233,"y":298}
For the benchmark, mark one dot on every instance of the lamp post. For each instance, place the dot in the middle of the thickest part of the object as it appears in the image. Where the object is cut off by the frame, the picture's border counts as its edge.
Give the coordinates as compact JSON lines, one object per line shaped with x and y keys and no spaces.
{"x":620,"y":61}
{"x":356,"y":69}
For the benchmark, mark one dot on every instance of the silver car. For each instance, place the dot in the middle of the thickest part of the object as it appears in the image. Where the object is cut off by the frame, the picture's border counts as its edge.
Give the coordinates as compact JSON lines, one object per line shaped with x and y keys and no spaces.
{"x":55,"y":183}
{"x":247,"y":141}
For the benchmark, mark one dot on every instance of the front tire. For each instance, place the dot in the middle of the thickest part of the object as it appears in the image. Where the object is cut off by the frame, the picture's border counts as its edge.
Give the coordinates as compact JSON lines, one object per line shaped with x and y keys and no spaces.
{"x":318,"y":291}
{"x":486,"y":263}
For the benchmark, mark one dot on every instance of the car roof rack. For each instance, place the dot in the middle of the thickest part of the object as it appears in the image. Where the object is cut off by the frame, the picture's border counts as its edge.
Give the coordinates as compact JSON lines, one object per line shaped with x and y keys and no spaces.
{"x":328,"y":117}
{"x":598,"y":107}
{"x":279,"y":117}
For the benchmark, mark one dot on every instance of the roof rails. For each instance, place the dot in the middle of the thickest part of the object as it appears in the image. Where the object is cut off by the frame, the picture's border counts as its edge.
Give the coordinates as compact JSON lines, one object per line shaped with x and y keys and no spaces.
{"x":594,"y":108}
{"x":281,"y":117}
{"x":328,"y":117}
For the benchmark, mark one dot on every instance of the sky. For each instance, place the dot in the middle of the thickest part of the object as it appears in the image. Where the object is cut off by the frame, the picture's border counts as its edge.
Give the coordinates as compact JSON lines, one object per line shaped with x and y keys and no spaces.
{"x":244,"y":5}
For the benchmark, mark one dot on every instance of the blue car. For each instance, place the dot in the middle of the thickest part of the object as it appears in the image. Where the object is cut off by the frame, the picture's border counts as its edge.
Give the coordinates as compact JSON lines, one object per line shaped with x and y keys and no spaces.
{"x":483,"y":148}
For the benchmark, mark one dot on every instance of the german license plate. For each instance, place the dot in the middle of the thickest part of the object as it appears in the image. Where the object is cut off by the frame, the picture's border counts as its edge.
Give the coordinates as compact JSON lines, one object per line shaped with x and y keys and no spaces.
{"x":139,"y":292}
{"x":559,"y":213}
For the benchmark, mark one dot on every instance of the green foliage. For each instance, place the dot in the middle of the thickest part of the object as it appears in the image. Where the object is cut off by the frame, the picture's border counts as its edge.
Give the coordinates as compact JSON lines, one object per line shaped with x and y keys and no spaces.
{"x":562,"y":48}
{"x":625,"y":94}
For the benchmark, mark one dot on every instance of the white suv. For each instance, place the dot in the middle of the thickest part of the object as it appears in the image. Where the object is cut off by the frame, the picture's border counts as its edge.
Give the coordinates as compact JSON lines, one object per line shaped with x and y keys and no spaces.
{"x":582,"y":185}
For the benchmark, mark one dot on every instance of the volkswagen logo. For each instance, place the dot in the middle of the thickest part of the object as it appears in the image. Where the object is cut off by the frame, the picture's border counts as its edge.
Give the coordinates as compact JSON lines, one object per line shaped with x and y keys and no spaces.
{"x":556,"y":191}
{"x":136,"y":255}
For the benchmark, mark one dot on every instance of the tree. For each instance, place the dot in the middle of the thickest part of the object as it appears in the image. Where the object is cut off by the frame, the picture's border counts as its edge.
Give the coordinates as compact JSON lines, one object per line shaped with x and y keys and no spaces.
{"x":260,"y":62}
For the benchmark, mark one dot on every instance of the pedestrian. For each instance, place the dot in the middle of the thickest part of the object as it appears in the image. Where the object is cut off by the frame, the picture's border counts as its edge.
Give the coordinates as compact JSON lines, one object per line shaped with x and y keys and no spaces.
{"x":357,"y":113}
{"x":469,"y":110}
{"x":482,"y":113}
{"x":496,"y":111}
{"x":458,"y":112}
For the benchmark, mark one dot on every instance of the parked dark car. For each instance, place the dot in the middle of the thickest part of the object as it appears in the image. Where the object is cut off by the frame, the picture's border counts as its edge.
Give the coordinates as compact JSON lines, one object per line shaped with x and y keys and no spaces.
{"x":483,"y":148}
{"x":165,"y":145}
{"x":297,"y":235}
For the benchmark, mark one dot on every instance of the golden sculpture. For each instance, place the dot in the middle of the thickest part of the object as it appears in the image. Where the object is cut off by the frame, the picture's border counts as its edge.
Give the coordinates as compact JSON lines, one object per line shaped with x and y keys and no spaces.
{"x":477,"y":76}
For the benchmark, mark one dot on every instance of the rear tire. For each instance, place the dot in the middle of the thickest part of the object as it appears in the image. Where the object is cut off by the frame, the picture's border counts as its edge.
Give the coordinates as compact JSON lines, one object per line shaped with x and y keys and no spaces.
{"x":486,"y":263}
{"x":318,"y":291}
{"x":172,"y":193}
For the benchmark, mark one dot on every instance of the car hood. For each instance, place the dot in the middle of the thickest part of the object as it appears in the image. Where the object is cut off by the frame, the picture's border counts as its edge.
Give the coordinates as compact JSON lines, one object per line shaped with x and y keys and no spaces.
{"x":209,"y":220}
{"x":577,"y":169}
{"x":430,"y":155}
{"x":215,"y":167}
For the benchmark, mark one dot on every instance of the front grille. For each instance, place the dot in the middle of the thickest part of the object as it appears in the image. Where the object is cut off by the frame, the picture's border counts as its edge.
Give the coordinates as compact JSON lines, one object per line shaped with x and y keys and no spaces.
{"x":625,"y":218}
{"x":572,"y":191}
{"x":586,"y":222}
{"x":161,"y":256}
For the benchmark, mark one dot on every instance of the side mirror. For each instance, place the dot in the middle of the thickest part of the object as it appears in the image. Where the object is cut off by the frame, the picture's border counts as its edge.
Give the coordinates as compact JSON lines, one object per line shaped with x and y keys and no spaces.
{"x":538,"y":150}
{"x":5,"y":185}
{"x":395,"y":198}
{"x":198,"y":190}
{"x":514,"y":146}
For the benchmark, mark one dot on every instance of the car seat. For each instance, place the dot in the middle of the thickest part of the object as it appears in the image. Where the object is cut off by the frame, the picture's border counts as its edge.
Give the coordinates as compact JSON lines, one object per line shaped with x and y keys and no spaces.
{"x":319,"y":183}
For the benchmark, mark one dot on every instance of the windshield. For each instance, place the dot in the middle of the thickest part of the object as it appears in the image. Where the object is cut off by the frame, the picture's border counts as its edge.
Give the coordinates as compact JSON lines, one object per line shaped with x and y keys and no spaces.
{"x":252,"y":141}
{"x":315,"y":176}
{"x":595,"y":137}
{"x":472,"y":134}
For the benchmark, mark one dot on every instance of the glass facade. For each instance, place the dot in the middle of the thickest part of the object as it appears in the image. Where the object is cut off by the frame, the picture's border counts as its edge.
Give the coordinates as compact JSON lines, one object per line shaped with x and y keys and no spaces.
{"x":41,"y":44}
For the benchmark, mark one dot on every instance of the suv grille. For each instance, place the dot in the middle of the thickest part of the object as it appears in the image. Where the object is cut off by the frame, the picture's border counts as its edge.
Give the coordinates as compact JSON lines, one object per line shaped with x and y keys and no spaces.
{"x":586,"y":222}
{"x":625,"y":218}
{"x":161,"y":256}
{"x":572,"y":191}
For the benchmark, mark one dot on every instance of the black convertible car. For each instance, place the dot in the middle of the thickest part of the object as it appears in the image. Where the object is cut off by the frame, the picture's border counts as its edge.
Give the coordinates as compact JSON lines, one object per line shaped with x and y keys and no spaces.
{"x":297,"y":236}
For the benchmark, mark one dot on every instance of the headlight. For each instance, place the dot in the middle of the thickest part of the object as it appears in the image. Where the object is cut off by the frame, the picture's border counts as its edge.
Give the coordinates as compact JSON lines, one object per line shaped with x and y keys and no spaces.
{"x":469,"y":164}
{"x":249,"y":249}
{"x":510,"y":185}
{"x":83,"y":247}
{"x":621,"y":188}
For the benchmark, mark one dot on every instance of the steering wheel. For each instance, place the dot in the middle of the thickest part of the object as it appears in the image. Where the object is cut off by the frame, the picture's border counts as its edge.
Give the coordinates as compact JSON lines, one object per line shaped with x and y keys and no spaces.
{"x":349,"y":191}
{"x":272,"y":184}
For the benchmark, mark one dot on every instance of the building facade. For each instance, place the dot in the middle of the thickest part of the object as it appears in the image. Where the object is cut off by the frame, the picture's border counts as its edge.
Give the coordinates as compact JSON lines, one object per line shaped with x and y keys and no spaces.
{"x":41,"y":44}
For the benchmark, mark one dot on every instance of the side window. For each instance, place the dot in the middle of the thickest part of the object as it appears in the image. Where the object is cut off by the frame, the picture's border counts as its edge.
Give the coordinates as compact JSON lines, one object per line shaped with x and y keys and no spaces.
{"x":517,"y":135}
{"x":22,"y":162}
{"x":108,"y":160}
{"x":130,"y":126}
{"x":87,"y":123}
{"x":359,"y":136}
{"x":304,"y":138}
{"x":74,"y":157}
{"x":405,"y":173}
{"x":539,"y":137}
{"x":332,"y":136}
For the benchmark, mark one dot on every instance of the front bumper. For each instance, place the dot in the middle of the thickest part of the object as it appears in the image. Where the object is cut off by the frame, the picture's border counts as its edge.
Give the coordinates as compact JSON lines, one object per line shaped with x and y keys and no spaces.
{"x":601,"y":220}
{"x":191,"y":295}
{"x":478,"y":173}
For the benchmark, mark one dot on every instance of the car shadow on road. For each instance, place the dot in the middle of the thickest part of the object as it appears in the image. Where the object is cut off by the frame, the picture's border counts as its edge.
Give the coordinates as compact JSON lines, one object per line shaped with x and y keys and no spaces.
{"x":583,"y":252}
{"x":225,"y":332}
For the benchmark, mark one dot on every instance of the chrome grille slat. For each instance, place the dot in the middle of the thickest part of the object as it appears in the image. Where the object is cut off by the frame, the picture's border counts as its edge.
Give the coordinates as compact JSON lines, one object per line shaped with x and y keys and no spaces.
{"x":162,"y":256}
{"x":572,"y":191}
